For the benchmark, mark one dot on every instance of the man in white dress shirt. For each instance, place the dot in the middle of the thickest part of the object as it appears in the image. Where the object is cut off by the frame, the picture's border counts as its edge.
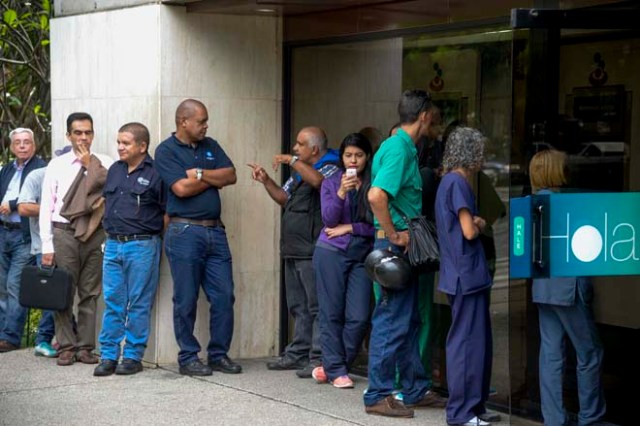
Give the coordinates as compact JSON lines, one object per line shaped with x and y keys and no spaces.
{"x":82,"y":257}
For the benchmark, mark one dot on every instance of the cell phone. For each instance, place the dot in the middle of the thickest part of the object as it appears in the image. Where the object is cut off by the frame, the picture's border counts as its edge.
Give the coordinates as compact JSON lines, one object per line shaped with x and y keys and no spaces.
{"x":352,"y":172}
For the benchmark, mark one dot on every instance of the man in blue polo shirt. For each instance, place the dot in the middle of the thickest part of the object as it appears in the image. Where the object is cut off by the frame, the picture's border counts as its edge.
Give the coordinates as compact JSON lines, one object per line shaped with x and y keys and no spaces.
{"x":194,"y":168}
{"x":396,"y":191}
{"x":133,"y":221}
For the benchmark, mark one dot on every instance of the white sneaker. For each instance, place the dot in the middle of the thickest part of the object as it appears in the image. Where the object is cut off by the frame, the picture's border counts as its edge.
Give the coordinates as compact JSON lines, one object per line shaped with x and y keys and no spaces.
{"x":476,"y":422}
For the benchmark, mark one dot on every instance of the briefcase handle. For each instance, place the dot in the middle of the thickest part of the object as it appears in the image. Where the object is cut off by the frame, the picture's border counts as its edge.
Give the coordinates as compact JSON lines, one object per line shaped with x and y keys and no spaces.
{"x":46,"y":270}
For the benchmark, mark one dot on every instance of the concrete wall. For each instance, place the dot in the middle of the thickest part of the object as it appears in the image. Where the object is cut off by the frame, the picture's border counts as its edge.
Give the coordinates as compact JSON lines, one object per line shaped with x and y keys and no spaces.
{"x":137,"y":64}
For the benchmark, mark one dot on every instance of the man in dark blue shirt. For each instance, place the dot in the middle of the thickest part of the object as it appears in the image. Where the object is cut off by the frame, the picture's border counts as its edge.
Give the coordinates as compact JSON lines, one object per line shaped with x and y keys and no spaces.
{"x":133,"y":220}
{"x":194,"y":168}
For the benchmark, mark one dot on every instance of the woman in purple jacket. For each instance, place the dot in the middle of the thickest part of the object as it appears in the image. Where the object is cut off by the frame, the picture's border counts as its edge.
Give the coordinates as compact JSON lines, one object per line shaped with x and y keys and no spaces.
{"x":344,"y":290}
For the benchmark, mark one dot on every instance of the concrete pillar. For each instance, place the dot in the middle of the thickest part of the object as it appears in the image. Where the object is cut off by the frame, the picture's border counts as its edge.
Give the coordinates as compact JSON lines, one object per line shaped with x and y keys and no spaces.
{"x":137,"y":64}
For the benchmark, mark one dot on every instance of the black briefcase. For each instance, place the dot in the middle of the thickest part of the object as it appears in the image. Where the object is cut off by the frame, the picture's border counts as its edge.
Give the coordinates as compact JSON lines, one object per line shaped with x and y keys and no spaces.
{"x":45,"y":287}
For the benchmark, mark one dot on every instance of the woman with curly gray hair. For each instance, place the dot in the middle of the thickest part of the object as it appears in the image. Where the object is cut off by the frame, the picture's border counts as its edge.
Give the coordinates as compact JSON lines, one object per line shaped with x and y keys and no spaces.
{"x":465,"y":278}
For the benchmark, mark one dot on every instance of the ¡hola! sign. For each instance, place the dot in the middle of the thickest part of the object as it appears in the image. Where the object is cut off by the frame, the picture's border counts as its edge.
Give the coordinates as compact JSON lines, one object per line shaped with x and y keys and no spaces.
{"x":586,"y":234}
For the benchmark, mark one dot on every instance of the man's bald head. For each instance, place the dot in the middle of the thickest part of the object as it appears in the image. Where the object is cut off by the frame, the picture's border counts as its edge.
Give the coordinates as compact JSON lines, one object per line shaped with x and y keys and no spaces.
{"x":188,"y":109}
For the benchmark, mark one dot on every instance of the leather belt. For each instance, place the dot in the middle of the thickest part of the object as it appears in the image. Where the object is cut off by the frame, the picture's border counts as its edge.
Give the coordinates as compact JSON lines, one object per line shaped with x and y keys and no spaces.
{"x":127,"y":238}
{"x":209,"y":223}
{"x":60,"y":225}
{"x":11,"y":225}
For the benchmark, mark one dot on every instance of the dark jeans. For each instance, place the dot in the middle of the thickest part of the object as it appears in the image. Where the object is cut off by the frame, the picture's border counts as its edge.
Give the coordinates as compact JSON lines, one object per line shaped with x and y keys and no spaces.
{"x":344,"y":294}
{"x":469,"y":356}
{"x":302,"y":301}
{"x":575,"y":322}
{"x":394,"y":343}
{"x":15,"y":254}
{"x":200,"y":257}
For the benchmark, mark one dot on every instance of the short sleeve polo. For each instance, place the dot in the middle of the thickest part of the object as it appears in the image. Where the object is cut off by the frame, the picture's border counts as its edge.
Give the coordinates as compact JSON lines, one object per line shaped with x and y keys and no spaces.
{"x":395,"y":170}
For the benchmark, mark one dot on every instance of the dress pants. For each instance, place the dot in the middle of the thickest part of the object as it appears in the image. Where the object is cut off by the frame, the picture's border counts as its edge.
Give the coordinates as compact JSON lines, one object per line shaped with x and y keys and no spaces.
{"x":84,"y":262}
{"x":302,"y":302}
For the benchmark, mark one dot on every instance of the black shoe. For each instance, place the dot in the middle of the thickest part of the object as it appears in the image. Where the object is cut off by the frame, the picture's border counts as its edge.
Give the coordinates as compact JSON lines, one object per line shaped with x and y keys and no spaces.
{"x":195,"y":368}
{"x":285,"y":362}
{"x":106,"y":368}
{"x":225,"y":365}
{"x":307,"y":371}
{"x":129,"y":366}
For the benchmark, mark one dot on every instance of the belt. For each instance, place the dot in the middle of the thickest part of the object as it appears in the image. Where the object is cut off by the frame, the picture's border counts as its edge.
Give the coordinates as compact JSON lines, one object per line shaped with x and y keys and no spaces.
{"x":380,"y":234}
{"x":209,"y":223}
{"x":127,"y":238}
{"x":60,"y":225}
{"x":11,"y":225}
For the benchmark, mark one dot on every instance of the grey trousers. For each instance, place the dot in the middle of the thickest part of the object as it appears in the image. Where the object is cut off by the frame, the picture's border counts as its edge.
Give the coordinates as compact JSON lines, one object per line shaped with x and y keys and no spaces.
{"x":84,"y":262}
{"x":302,"y":301}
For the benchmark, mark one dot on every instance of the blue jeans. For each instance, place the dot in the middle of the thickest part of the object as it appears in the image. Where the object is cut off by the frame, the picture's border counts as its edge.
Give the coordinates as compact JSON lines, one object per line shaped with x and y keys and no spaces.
{"x":394,"y":342}
{"x":200,"y":257}
{"x":129,"y":282}
{"x":15,"y":254}
{"x":575,"y":322}
{"x":344,"y":295}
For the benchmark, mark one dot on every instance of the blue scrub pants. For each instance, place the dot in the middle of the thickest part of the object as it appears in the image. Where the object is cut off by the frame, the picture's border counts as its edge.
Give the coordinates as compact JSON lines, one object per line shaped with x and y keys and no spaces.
{"x":394,"y":343}
{"x":469,"y":356}
{"x":576,"y":322}
{"x":344,"y":295}
{"x":15,"y":254}
{"x":130,"y":280}
{"x":199,"y":256}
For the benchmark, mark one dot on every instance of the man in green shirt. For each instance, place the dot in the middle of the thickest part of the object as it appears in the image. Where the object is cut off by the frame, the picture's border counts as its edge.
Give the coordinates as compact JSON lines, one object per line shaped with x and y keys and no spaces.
{"x":396,"y":191}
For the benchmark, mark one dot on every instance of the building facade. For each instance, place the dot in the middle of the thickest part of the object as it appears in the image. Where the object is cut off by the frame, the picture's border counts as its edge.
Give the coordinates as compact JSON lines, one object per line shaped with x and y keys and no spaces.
{"x":566,"y":74}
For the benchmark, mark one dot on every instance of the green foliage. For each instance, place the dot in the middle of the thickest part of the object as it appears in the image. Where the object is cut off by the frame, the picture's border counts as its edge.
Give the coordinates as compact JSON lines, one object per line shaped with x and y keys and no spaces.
{"x":31,"y":328}
{"x":25,"y":89}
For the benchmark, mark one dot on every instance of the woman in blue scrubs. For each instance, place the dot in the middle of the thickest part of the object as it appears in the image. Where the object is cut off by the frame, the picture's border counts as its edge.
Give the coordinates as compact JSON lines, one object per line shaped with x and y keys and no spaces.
{"x":465,"y":278}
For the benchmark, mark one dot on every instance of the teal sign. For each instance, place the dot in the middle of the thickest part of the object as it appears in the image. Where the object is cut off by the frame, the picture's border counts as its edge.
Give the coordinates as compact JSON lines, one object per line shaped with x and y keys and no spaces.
{"x":586,"y":234}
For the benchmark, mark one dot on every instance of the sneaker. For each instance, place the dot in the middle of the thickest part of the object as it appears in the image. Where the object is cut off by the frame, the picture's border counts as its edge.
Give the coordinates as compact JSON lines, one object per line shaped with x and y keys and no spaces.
{"x":286,"y":362}
{"x":106,"y":368}
{"x":128,"y":366}
{"x":45,"y":349}
{"x":343,"y":382}
{"x":318,"y":375}
{"x":430,"y":399}
{"x":389,"y":407}
{"x":398,"y":395}
{"x":306,"y":372}
{"x":475,"y":421}
{"x":195,"y":368}
{"x":490,"y":416}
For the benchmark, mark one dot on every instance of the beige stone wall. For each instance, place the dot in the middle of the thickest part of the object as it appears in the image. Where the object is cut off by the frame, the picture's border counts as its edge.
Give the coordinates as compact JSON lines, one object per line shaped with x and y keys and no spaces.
{"x":137,"y":64}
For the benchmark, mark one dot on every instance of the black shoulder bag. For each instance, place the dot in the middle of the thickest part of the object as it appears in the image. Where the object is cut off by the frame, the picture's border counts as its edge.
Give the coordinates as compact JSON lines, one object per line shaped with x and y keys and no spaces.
{"x":423,"y":251}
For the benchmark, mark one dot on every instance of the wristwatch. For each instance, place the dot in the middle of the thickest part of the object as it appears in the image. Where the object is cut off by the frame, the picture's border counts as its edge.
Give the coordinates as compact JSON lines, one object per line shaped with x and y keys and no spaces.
{"x":199,"y":174}
{"x":293,"y":160}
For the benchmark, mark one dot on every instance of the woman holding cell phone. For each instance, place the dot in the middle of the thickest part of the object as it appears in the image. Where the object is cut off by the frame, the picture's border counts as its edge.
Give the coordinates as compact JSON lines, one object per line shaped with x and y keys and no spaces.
{"x":344,"y":290}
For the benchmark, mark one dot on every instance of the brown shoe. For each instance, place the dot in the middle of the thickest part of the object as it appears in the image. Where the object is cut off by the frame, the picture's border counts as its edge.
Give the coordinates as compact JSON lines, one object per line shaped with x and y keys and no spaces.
{"x":87,"y":357}
{"x":431,"y":400}
{"x":66,"y":358}
{"x":389,"y":407}
{"x":6,"y":346}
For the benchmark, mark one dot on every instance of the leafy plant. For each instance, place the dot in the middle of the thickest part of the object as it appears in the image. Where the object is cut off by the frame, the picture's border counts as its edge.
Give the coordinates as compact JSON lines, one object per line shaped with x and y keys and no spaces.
{"x":25,"y":89}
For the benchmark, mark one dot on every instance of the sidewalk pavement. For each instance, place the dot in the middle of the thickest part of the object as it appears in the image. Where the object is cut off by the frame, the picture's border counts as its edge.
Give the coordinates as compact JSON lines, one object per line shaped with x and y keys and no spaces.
{"x":34,"y":390}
